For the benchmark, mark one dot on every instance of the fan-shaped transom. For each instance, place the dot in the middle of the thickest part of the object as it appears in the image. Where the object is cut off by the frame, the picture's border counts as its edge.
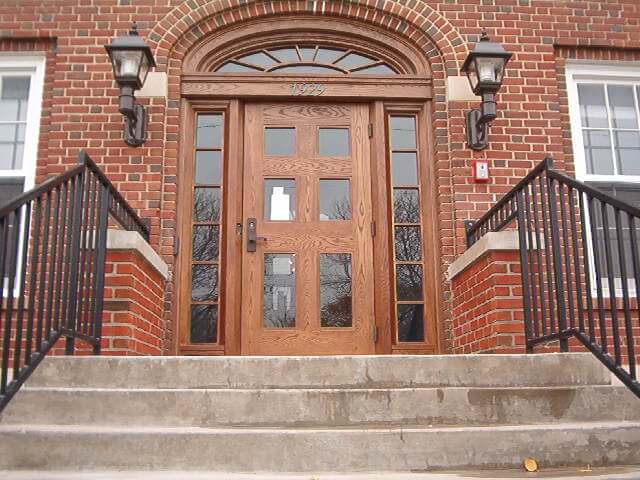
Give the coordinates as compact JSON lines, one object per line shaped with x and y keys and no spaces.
{"x":306,"y":59}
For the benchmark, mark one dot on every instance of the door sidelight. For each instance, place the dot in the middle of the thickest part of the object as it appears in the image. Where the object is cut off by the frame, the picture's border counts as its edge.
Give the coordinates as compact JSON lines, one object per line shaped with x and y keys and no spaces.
{"x":252,"y":237}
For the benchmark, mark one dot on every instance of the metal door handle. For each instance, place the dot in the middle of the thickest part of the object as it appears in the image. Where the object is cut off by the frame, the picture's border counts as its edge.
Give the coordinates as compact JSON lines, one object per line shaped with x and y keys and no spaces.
{"x":252,"y":237}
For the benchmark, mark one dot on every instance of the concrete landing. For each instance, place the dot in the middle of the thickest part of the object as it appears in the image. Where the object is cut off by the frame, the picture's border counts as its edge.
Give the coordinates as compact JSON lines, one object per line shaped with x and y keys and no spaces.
{"x":617,"y":473}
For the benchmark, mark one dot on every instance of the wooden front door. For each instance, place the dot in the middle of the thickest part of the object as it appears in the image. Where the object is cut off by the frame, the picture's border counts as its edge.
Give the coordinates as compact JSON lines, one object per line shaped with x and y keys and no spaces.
{"x":307,"y":262}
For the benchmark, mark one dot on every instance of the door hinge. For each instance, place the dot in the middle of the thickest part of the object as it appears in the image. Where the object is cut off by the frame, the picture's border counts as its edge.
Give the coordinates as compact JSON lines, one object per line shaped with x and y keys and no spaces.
{"x":374,"y":334}
{"x":370,"y":130}
{"x":176,"y":245}
{"x":373,"y":229}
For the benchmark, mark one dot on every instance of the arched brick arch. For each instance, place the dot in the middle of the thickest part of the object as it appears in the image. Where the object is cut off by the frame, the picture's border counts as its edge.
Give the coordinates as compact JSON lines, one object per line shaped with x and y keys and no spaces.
{"x":421,"y":23}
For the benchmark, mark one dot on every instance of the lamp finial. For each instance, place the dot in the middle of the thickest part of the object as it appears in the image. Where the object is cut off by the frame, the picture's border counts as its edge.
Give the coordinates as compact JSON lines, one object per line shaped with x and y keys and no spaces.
{"x":134,"y":29}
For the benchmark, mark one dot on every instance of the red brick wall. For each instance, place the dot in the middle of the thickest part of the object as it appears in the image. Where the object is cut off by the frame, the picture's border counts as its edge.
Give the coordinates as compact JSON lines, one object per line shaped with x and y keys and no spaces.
{"x":487,"y":311}
{"x":81,"y":98}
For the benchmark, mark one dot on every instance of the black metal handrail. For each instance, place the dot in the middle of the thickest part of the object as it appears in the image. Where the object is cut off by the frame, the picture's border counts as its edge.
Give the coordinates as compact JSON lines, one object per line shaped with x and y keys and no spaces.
{"x":580,"y":265}
{"x":53,"y":242}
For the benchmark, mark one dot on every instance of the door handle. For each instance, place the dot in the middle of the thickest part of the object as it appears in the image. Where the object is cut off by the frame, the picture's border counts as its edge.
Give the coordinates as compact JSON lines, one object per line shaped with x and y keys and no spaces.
{"x":252,"y":236}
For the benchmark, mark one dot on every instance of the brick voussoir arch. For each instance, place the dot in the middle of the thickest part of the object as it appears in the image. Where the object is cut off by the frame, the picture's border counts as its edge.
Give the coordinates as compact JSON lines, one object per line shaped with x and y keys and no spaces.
{"x":185,"y":24}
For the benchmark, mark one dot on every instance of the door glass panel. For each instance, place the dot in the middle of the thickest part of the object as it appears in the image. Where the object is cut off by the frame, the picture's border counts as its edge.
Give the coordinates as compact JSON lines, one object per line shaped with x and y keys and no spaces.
{"x":279,"y":199}
{"x":204,"y":283}
{"x":409,"y":282}
{"x":206,"y":204}
{"x":209,"y":131}
{"x":280,"y":141}
{"x":403,"y":132}
{"x":335,"y":290}
{"x":208,"y":168}
{"x":204,"y":323}
{"x":410,"y":323}
{"x":205,"y":242}
{"x":406,"y":205}
{"x":407,"y":244}
{"x":333,"y":142}
{"x":279,"y":290}
{"x":335,"y":201}
{"x":404,"y":168}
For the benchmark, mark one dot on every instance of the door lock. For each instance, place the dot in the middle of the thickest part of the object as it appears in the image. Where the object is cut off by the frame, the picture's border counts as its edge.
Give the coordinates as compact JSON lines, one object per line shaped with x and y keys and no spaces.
{"x":252,"y":237}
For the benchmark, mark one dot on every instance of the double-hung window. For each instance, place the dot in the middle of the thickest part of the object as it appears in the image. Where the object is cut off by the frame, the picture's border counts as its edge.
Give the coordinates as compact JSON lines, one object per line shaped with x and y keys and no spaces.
{"x":604,"y":103}
{"x":21,"y":85}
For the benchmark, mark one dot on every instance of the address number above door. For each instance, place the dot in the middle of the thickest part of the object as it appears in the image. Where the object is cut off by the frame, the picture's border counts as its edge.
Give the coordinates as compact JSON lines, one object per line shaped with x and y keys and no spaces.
{"x":306,"y":59}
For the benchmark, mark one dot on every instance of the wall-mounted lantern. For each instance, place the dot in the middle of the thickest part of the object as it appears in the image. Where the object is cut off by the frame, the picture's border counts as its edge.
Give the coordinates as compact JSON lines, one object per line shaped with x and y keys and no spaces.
{"x":131,"y":59}
{"x":484,"y":67}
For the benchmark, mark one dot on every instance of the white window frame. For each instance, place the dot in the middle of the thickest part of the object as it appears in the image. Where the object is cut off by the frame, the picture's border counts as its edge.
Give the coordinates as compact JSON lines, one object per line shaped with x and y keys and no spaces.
{"x":32,"y":65}
{"x":619,"y":73}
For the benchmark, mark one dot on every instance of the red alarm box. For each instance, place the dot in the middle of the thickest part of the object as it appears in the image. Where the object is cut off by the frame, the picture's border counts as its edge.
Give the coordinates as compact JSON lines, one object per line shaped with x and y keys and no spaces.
{"x":480,"y":170}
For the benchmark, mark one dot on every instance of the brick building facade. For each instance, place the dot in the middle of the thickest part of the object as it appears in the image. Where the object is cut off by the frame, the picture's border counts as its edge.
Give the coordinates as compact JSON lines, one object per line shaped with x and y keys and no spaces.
{"x":80,"y":111}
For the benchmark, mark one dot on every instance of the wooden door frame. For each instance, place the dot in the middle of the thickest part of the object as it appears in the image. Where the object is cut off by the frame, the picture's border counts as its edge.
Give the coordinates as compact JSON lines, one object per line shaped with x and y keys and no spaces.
{"x":391,"y":95}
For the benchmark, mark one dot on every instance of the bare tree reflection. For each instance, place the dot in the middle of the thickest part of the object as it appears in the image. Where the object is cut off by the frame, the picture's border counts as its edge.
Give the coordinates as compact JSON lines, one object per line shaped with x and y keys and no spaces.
{"x":204,"y":283}
{"x":335,"y":290}
{"x":206,"y":205}
{"x":406,"y":206}
{"x":204,"y":323}
{"x":408,"y":245}
{"x":409,"y":282}
{"x":410,"y":323}
{"x":206,"y":242}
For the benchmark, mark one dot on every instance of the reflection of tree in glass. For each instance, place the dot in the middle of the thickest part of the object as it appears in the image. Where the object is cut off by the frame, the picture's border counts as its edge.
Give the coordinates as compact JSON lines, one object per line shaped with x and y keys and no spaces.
{"x":409,"y":282}
{"x":204,"y":281}
{"x":410,"y":323}
{"x":206,"y":205}
{"x":406,"y":206}
{"x":408,"y":243}
{"x":205,"y":242}
{"x":204,"y":323}
{"x":335,"y":290}
{"x":341,"y":209}
{"x":279,"y":293}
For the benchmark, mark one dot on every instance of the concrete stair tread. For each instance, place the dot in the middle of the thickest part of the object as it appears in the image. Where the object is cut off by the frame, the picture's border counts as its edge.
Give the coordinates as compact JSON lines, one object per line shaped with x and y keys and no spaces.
{"x":159,"y":430}
{"x":611,"y":473}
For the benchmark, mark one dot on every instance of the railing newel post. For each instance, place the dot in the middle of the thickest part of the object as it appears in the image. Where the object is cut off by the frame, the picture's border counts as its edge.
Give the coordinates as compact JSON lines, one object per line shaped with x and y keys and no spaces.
{"x":524,"y":266}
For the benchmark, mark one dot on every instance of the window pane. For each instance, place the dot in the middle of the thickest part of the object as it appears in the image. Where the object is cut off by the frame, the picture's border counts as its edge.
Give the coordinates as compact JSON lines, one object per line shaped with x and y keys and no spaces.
{"x":10,"y":188}
{"x":232,"y":67}
{"x":623,"y":107}
{"x":335,"y":290}
{"x":354,"y":60}
{"x":307,"y":53}
{"x":406,"y":205}
{"x":328,"y":55}
{"x":208,"y":165}
{"x":12,"y":132}
{"x":279,"y":199}
{"x":204,"y":323}
{"x":206,"y":205}
{"x":204,"y":283}
{"x":404,"y":168}
{"x":628,"y":151}
{"x":305,"y":69}
{"x":377,"y":70}
{"x":333,"y":142}
{"x":335,"y":202}
{"x":408,"y":244}
{"x":409,"y":282}
{"x":279,"y":291}
{"x":410,"y":323}
{"x":15,"y":88}
{"x":209,"y":131}
{"x":205,"y":242}
{"x":280,"y":141}
{"x":286,"y":55}
{"x":597,"y":150}
{"x":403,"y":132}
{"x":593,"y":108}
{"x":259,"y":59}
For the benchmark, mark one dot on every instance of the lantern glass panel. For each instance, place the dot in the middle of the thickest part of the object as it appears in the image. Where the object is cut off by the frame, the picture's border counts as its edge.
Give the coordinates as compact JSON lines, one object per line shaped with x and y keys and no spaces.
{"x":144,"y":69}
{"x":126,"y":64}
{"x":472,"y":76}
{"x":490,"y":69}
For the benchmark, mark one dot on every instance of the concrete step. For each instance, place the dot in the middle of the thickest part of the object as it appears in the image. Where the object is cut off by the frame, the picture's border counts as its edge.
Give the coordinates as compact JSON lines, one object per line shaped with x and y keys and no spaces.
{"x":611,"y":473}
{"x":316,"y":450}
{"x":321,"y":407}
{"x":368,"y":372}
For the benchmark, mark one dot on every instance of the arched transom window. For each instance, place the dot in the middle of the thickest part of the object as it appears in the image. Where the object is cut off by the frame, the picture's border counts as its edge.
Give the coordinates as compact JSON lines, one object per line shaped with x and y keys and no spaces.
{"x":306,"y":59}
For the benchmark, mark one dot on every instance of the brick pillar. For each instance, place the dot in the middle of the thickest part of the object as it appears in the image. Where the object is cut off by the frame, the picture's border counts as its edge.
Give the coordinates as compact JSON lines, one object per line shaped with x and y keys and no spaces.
{"x":487,"y":297}
{"x":133,"y":296}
